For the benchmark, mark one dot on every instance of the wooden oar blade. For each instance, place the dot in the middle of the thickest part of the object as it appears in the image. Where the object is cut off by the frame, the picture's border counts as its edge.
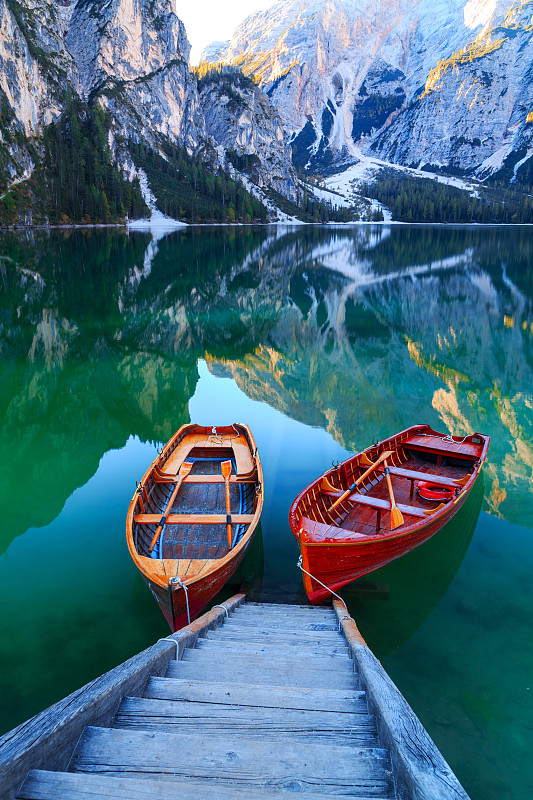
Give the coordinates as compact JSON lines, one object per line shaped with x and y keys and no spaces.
{"x":396,"y":518}
{"x":185,"y":469}
{"x":226,"y":469}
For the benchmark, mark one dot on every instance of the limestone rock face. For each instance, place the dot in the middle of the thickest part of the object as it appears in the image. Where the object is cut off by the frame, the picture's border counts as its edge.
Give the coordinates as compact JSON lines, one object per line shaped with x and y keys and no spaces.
{"x":241,"y":119}
{"x":134,"y":55}
{"x":31,"y":79}
{"x":445,"y":82}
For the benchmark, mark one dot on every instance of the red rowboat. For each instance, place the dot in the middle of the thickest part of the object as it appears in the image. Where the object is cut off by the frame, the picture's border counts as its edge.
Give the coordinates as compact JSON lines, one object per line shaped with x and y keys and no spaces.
{"x":368,"y":511}
{"x":194,"y":515}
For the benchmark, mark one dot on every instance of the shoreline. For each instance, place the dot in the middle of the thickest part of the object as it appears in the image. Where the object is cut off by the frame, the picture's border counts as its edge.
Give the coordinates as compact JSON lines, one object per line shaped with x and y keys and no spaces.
{"x":144,"y":226}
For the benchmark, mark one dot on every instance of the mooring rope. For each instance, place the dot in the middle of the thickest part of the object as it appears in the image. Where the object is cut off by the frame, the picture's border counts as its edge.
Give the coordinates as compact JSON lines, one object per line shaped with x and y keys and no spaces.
{"x":347,"y":616}
{"x":219,"y":605}
{"x":174,"y":641}
{"x":180,"y":582}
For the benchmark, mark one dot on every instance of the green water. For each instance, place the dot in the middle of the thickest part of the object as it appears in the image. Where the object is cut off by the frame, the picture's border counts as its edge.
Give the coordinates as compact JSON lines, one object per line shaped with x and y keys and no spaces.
{"x":323,"y":340}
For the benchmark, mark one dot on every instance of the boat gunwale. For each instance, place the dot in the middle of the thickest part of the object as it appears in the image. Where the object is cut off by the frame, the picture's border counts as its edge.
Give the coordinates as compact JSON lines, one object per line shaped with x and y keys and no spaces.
{"x":407,"y":530}
{"x":142,"y":562}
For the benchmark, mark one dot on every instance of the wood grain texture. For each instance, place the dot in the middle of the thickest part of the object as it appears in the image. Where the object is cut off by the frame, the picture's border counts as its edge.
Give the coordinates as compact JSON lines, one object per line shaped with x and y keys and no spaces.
{"x":420,"y":771}
{"x":76,"y":786}
{"x":229,"y":721}
{"x":254,"y":696}
{"x":244,"y":763}
{"x":48,"y":739}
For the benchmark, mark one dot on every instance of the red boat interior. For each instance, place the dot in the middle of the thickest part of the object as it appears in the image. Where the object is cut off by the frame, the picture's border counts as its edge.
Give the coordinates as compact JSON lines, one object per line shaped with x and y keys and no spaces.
{"x":420,"y":457}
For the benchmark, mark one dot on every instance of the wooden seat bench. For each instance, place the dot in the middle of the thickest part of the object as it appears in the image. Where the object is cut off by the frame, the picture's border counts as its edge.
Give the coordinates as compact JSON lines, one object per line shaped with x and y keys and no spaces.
{"x":381,"y":505}
{"x":193,"y":519}
{"x":412,"y":475}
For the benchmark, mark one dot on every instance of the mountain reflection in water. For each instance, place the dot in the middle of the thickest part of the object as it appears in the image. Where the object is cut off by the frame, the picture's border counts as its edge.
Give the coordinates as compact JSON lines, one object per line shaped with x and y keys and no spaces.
{"x":359,"y":331}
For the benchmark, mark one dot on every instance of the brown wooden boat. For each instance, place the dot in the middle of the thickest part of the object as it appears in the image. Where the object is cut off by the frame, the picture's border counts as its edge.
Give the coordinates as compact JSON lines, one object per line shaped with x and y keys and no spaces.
{"x":382,"y":503}
{"x":194,"y":515}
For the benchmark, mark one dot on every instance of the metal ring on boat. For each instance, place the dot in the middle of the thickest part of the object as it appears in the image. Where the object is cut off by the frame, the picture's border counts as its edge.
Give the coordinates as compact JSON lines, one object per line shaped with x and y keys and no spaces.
{"x":434,"y":492}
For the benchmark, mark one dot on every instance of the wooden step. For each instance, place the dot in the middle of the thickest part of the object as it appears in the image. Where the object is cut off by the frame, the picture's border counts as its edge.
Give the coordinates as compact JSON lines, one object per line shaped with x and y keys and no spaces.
{"x":310,"y":612}
{"x":235,"y":623}
{"x":277,"y":606}
{"x":280,"y":660}
{"x":259,"y":674}
{"x":269,"y":649}
{"x":248,"y":764}
{"x":287,"y":613}
{"x":216,"y":719}
{"x":44,"y":785}
{"x":304,"y":638}
{"x":255,"y":696}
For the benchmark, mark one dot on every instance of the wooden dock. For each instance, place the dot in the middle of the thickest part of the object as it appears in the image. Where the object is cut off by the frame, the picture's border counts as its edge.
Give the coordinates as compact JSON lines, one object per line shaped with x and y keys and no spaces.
{"x":249,"y":701}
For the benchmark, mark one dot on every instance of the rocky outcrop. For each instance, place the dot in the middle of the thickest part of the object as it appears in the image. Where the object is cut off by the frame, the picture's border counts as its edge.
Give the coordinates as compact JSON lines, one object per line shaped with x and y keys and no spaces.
{"x":133,"y":55}
{"x":472,"y":112}
{"x":240,"y":118}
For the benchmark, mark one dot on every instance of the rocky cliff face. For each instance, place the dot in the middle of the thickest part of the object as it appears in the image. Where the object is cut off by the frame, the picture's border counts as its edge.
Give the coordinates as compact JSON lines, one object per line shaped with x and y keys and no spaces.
{"x":428,"y":81}
{"x":133,"y":55}
{"x":240,"y":118}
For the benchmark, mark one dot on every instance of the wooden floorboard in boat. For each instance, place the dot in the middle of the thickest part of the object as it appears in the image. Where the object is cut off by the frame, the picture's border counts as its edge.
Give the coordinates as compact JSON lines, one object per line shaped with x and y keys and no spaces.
{"x":363,"y":519}
{"x":200,"y":541}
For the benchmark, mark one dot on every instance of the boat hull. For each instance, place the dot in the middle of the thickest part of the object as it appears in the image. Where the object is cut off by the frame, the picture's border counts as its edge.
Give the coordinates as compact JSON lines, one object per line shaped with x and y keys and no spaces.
{"x":337,"y":548}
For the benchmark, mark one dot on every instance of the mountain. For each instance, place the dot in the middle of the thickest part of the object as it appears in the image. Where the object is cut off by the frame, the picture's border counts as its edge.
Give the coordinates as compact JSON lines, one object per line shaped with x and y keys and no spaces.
{"x":438,"y":82}
{"x":81,"y":83}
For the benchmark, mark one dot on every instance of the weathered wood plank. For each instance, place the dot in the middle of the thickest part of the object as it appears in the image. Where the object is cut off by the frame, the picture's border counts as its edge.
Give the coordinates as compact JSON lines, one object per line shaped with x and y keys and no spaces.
{"x":48,"y":739}
{"x":324,"y":609}
{"x":281,"y":660}
{"x":216,"y":719}
{"x":338,"y":700}
{"x":320,"y":639}
{"x":233,"y":648}
{"x":420,"y":771}
{"x":262,"y":675}
{"x":40,"y":785}
{"x":289,"y":625}
{"x":254,"y":764}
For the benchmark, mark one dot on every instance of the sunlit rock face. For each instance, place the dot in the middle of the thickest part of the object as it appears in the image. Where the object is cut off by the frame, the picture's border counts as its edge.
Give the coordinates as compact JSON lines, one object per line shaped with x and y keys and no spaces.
{"x":415,"y":81}
{"x":32,"y":83}
{"x":134,"y":55}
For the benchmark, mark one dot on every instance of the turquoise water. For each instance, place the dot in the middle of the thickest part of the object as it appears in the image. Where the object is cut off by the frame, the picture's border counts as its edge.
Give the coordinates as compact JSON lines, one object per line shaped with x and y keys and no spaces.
{"x":323,"y":340}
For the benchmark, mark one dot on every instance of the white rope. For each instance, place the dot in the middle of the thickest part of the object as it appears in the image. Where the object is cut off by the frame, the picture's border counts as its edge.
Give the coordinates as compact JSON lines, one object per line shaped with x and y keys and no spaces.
{"x":219,"y":605}
{"x":447,"y":438}
{"x":299,"y":564}
{"x":174,"y":641}
{"x":180,"y":582}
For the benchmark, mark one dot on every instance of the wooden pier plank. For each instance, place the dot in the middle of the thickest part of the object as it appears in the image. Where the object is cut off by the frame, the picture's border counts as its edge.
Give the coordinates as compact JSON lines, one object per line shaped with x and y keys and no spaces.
{"x":43,"y":785}
{"x":232,"y":649}
{"x":255,"y":696}
{"x":283,"y":675}
{"x":279,"y":724}
{"x":251,"y":764}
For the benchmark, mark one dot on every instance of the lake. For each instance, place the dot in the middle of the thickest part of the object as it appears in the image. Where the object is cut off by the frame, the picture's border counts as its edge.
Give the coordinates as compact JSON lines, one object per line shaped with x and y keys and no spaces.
{"x":323,"y":339}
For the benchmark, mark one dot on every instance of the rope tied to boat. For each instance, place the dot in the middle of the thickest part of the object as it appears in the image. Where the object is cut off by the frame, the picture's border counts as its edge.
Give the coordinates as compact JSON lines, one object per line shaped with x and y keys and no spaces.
{"x":180,"y":582}
{"x":347,"y":616}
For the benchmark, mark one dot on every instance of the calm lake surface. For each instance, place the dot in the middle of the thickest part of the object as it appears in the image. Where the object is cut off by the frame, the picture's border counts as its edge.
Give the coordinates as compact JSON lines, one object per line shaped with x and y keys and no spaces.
{"x":324,"y":340}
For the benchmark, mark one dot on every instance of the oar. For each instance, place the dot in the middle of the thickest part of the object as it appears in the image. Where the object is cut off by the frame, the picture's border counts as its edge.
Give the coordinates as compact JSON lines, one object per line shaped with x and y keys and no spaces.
{"x":354,"y":486}
{"x":183,"y":472}
{"x":396,"y":518}
{"x":226,"y":472}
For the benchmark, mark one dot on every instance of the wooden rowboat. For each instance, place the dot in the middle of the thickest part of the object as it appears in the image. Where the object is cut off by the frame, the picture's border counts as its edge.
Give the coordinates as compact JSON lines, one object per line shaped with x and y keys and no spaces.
{"x":194,"y":515}
{"x":368,"y":511}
